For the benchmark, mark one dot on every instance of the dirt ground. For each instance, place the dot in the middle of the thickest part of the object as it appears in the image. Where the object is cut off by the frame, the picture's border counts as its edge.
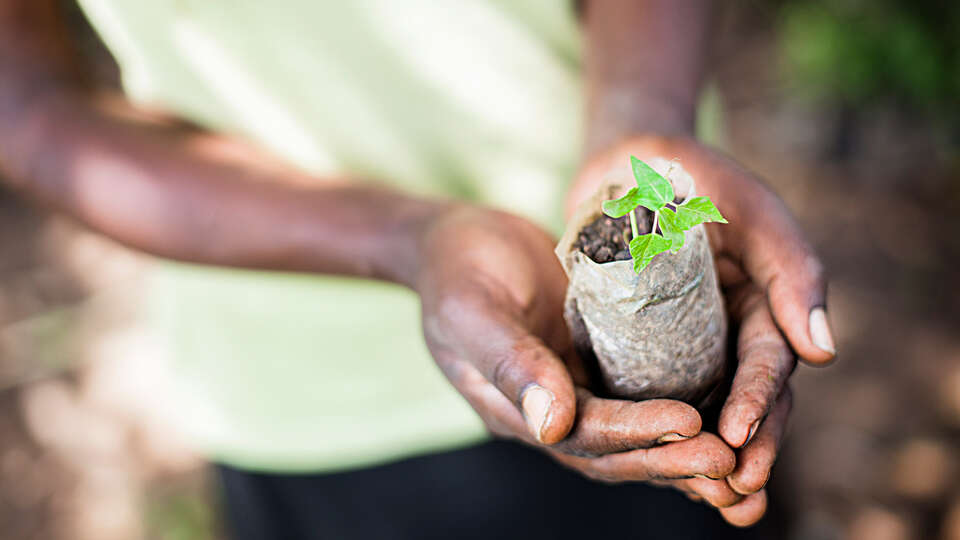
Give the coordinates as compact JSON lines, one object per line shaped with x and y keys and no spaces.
{"x":874,"y":446}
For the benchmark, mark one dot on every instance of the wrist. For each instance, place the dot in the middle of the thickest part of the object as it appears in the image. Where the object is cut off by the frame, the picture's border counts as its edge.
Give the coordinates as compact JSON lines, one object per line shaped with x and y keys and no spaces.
{"x":408,"y":231}
{"x":622,"y":116}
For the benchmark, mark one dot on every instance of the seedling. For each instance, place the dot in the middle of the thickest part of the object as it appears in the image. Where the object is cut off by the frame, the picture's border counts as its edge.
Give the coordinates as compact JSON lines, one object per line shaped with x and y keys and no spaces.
{"x":655,"y":193}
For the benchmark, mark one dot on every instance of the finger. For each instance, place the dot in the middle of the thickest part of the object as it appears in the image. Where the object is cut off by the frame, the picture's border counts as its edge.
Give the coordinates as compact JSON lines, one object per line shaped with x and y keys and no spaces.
{"x":765,"y":362}
{"x":680,"y":486}
{"x":756,"y":459}
{"x":704,"y":454}
{"x":746,"y":512}
{"x":604,"y":426}
{"x":776,"y":255}
{"x":519,"y":364}
{"x":498,"y":413}
{"x":767,"y":242}
{"x":715,"y":492}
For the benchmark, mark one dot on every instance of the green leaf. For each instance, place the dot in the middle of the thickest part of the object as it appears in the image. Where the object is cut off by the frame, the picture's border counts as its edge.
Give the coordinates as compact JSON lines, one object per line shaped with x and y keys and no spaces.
{"x":620,"y":207}
{"x":698,"y":210}
{"x":645,"y":247}
{"x":654,"y":191}
{"x":672,"y":228}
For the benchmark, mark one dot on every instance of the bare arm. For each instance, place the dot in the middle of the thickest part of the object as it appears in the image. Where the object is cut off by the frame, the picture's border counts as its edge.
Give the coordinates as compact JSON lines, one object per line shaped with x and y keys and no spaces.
{"x":175,"y":191}
{"x":645,"y":62}
{"x":490,"y":287}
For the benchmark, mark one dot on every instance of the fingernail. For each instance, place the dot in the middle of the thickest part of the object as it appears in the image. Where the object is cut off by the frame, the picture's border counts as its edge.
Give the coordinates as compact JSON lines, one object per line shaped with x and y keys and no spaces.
{"x":753,"y":429}
{"x":536,"y":409}
{"x":672,"y":437}
{"x":820,"y":330}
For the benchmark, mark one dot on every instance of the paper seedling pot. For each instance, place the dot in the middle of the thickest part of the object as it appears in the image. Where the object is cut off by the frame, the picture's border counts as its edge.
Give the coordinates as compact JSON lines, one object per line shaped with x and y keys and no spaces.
{"x":658,"y":334}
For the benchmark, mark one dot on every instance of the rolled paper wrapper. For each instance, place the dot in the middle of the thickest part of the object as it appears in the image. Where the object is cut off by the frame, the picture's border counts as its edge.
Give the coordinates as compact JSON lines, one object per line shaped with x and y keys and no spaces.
{"x":658,"y":334}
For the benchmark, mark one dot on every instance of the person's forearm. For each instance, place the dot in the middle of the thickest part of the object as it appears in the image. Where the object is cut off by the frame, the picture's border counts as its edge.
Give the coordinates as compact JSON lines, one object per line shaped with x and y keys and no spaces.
{"x":173,"y":191}
{"x":644,"y":67}
{"x":198,"y":197}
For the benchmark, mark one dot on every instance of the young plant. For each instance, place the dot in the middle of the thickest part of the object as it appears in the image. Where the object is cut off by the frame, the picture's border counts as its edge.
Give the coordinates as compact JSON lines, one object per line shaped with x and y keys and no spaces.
{"x":655,"y":193}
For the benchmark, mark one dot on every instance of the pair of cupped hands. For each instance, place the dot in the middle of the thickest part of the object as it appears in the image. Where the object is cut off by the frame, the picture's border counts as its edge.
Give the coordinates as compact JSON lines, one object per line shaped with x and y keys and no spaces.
{"x":492,"y":293}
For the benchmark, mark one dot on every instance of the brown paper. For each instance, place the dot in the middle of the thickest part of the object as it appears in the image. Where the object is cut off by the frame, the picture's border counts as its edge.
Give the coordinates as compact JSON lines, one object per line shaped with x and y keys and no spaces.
{"x":659,"y":334}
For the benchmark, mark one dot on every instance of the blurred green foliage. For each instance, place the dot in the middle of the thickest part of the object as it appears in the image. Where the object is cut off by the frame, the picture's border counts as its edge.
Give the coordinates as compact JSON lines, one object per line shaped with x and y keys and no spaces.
{"x":859,"y":51}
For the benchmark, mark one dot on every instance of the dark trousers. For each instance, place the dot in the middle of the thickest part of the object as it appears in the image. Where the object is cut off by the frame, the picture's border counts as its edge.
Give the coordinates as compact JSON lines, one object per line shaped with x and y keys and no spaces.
{"x":497,"y":490}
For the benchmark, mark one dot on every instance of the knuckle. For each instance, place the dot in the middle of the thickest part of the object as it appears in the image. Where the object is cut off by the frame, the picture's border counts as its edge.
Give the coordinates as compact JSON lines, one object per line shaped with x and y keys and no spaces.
{"x":518,"y":363}
{"x":616,"y":426}
{"x":650,"y":468}
{"x":528,"y":350}
{"x":502,"y":372}
{"x":762,"y":346}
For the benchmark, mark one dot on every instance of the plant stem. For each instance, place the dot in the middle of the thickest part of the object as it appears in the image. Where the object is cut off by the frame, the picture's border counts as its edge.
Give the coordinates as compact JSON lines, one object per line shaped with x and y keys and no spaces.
{"x":656,"y":217}
{"x":633,"y":222}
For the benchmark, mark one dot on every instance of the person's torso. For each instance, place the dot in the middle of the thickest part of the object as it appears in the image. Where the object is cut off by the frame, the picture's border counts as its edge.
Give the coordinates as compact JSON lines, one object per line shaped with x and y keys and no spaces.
{"x":477,"y":99}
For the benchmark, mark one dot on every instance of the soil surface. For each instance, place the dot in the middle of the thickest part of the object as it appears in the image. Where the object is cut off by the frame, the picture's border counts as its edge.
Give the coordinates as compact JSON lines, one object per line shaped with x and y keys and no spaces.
{"x":605,"y":239}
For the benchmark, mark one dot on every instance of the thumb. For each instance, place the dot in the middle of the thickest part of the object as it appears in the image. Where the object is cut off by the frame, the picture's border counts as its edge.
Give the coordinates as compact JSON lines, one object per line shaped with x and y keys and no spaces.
{"x":520,"y":365}
{"x":531,"y":375}
{"x":546,"y":392}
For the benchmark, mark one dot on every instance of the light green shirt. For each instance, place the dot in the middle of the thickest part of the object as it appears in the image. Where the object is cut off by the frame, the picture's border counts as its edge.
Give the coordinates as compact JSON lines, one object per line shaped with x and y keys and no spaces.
{"x":477,"y":99}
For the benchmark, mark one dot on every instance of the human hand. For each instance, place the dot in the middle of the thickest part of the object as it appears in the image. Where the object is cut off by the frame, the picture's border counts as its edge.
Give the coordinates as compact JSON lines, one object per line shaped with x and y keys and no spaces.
{"x":775,"y":293}
{"x":492,"y":293}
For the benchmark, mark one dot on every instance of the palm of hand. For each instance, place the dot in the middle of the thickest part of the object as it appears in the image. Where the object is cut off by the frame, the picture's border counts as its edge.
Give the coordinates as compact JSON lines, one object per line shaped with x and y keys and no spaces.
{"x":492,"y":293}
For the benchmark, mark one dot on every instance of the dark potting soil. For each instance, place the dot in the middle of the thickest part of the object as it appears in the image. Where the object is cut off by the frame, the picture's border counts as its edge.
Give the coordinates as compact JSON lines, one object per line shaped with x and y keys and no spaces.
{"x":606,"y":239}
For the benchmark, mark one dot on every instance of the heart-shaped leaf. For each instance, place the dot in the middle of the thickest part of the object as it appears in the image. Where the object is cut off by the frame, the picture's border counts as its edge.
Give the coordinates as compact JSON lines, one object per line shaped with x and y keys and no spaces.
{"x":653,"y":190}
{"x":645,"y":247}
{"x":620,"y":207}
{"x":698,"y":210}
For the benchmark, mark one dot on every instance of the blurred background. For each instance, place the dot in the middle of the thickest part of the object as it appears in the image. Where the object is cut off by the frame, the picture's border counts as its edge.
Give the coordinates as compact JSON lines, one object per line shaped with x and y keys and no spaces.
{"x":849,"y":108}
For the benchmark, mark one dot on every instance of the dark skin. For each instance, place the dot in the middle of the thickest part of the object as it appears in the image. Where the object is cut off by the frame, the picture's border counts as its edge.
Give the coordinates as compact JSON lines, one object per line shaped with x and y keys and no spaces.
{"x":490,"y":285}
